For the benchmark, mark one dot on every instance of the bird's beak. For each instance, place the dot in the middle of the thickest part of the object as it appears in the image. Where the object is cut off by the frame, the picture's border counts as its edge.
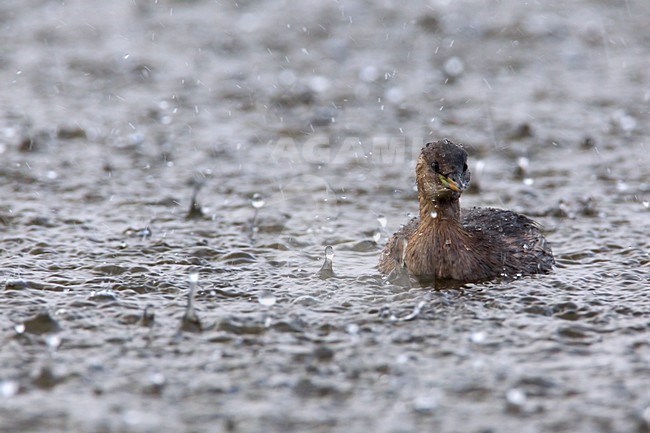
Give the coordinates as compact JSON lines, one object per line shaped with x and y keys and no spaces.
{"x":450,"y":183}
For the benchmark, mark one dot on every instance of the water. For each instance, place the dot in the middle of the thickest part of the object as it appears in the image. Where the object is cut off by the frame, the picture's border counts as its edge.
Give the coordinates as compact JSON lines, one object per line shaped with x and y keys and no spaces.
{"x":99,"y":160}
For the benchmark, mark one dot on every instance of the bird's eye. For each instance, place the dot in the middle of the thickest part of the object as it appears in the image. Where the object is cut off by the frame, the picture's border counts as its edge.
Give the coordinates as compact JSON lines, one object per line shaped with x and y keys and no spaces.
{"x":435,"y":167}
{"x":464,"y":167}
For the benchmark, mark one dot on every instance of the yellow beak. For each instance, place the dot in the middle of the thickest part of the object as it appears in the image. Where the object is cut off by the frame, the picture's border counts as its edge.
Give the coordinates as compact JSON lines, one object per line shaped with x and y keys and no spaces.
{"x":449,"y":183}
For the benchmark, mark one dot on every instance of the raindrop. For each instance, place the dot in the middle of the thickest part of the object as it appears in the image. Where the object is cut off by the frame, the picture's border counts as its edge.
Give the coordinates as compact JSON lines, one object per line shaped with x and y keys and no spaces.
{"x":376,"y":237}
{"x":329,"y":253}
{"x":19,"y":328}
{"x":257,"y":201}
{"x":478,"y":337}
{"x":53,"y":341}
{"x":352,"y":329}
{"x":453,"y":67}
{"x":646,"y":204}
{"x":8,"y":388}
{"x":369,"y":74}
{"x":287,"y":77}
{"x":621,"y":121}
{"x":157,"y":379}
{"x":434,"y":214}
{"x":405,"y":243}
{"x":319,"y":84}
{"x":381,"y":219}
{"x":523,"y":163}
{"x":516,"y":398}
{"x":394,"y":95}
{"x":425,"y":404}
{"x":266,"y":298}
{"x":529,"y":181}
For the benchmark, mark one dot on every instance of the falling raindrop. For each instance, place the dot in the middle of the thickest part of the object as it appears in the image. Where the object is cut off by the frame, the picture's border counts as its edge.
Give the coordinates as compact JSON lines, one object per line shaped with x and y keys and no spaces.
{"x":53,"y":341}
{"x":257,"y":201}
{"x":453,"y":67}
{"x":329,"y":253}
{"x":394,"y":95}
{"x":646,"y":204}
{"x":8,"y":388}
{"x":266,"y":298}
{"x":477,"y":337}
{"x":516,"y":399}
{"x":369,"y":74}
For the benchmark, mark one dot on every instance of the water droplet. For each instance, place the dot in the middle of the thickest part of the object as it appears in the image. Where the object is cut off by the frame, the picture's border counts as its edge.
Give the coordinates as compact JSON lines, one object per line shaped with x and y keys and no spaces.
{"x":53,"y":341}
{"x":19,"y":328}
{"x":478,"y":337}
{"x":425,"y":403}
{"x":454,"y":67}
{"x":157,"y":379}
{"x":405,"y":243}
{"x":319,"y":84}
{"x":376,"y":237}
{"x":257,"y":201}
{"x":529,"y":181}
{"x":394,"y":95}
{"x":434,"y":214}
{"x":329,"y":253}
{"x":381,"y":219}
{"x":352,"y":329}
{"x":516,"y":397}
{"x":266,"y":298}
{"x":368,"y":74}
{"x":193,"y":277}
{"x":287,"y":77}
{"x":646,"y":204}
{"x":523,"y":163}
{"x":8,"y":388}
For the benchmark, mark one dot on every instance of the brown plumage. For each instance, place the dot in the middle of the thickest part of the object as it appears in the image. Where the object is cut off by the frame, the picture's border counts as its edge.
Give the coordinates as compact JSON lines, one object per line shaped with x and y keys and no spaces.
{"x":473,"y":245}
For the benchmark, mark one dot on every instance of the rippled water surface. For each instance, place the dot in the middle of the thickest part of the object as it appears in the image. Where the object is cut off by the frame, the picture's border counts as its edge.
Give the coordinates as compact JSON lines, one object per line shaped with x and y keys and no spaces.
{"x":295,"y":126}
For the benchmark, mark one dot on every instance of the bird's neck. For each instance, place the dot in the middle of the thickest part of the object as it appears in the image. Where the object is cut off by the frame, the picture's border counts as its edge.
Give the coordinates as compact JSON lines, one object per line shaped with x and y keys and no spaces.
{"x":447,"y":210}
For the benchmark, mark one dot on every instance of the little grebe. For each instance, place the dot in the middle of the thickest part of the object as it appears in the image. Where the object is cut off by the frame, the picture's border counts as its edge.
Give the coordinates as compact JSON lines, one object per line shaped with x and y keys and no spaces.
{"x":473,"y":245}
